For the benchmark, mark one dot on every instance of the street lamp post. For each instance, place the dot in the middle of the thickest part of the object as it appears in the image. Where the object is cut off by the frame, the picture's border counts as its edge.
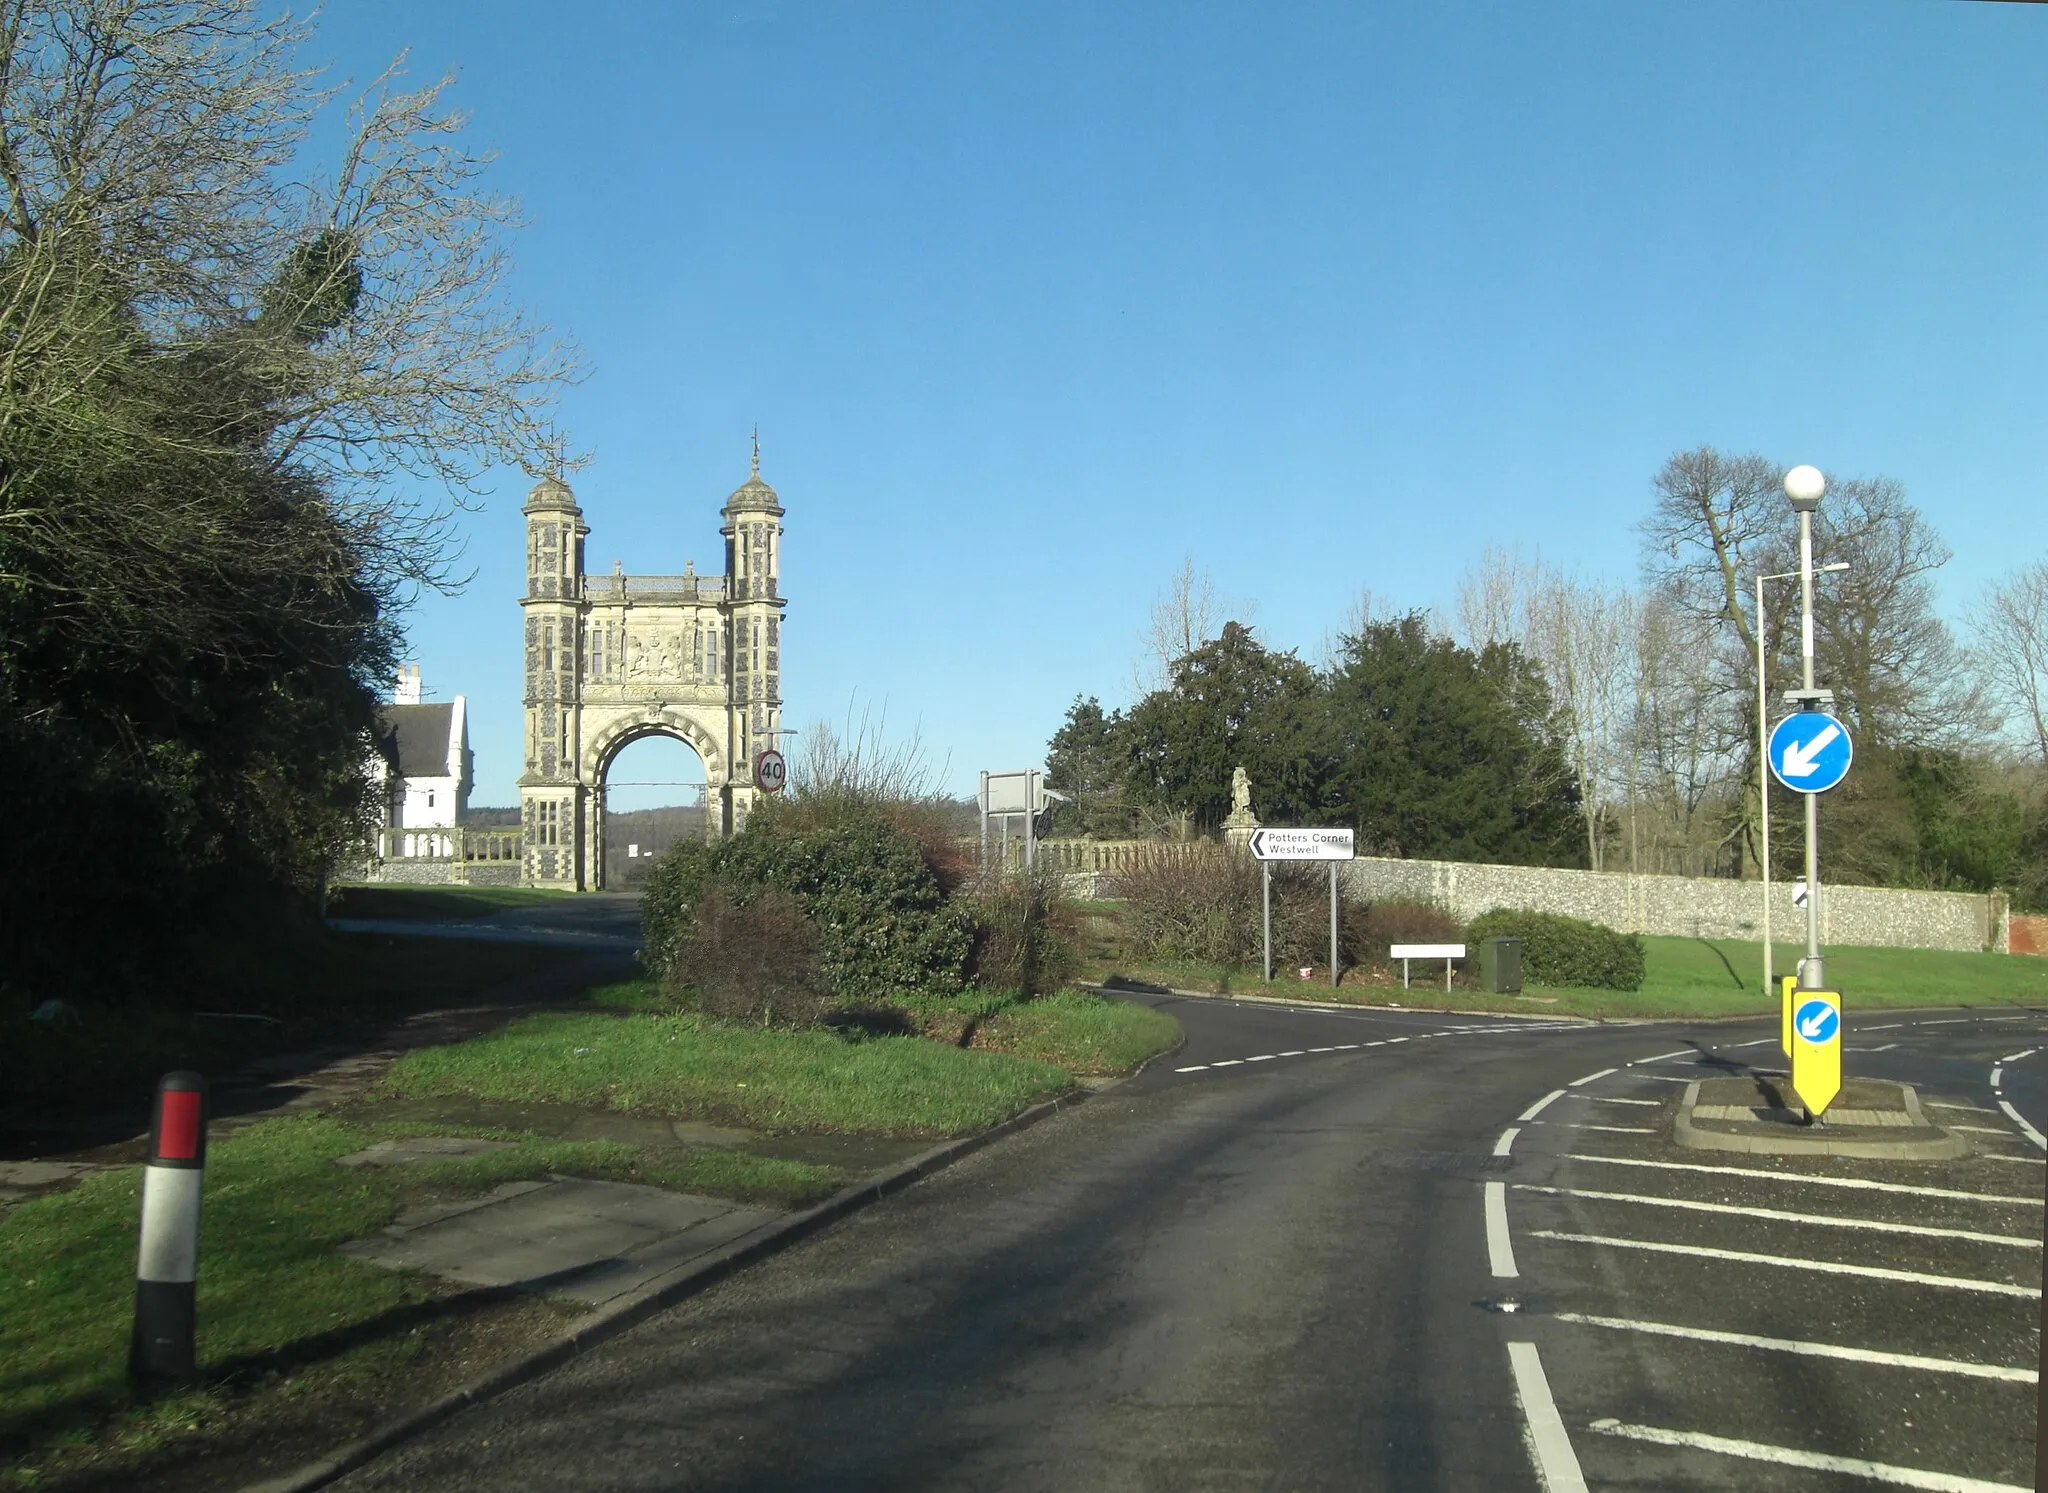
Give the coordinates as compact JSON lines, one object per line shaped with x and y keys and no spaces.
{"x":1804,"y":486}
{"x":1763,"y":763}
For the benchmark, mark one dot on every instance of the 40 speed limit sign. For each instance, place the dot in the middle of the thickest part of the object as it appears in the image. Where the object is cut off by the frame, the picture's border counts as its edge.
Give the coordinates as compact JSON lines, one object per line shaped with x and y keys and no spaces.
{"x":770,"y":773}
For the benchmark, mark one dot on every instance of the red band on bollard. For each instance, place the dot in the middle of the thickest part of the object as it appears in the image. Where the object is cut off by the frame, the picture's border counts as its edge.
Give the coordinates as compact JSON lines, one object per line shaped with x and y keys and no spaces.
{"x":178,"y":1130}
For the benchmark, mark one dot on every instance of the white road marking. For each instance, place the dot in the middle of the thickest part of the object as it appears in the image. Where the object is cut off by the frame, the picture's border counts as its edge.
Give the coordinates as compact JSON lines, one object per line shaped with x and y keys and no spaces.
{"x":1347,"y":1047}
{"x":1506,"y":1143}
{"x":1810,"y":1181}
{"x":2018,"y":1055}
{"x":1500,"y":1253}
{"x":2023,"y":1160}
{"x":1226,"y":1062}
{"x":1264,"y":1057}
{"x":1550,"y":1446}
{"x":1611,"y":1099}
{"x":1391,"y":1041}
{"x":1887,"y":1047}
{"x":1792,"y":1456}
{"x":1193,"y":1068}
{"x":1975,"y":1109}
{"x":1375,"y":1044}
{"x":1810,"y":1350}
{"x":1665,"y":1057}
{"x":1580,"y":1082}
{"x":1997,"y":1076}
{"x":1294,"y":1054}
{"x":1611,"y":1129}
{"x":1889,"y":1026}
{"x":1322,"y":1049}
{"x":1818,"y":1267}
{"x":1945,"y":1021}
{"x":2021,"y":1120}
{"x":1823,"y":1220}
{"x":1735,"y":1046}
{"x":1660,"y":1078}
{"x":1998,"y":1130}
{"x":1540,"y":1105}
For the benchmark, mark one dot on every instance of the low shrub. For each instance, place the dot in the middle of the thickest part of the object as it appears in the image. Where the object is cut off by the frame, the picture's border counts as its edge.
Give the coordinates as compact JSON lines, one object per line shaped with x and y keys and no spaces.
{"x":755,"y":962}
{"x":1199,"y":902}
{"x":1369,"y":929}
{"x":883,"y":921}
{"x":1565,"y":951}
{"x":1026,"y":931}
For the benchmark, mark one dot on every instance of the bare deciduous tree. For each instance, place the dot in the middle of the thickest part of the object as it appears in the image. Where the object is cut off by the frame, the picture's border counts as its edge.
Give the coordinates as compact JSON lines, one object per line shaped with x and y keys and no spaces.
{"x":153,"y":228}
{"x":2011,"y":627}
{"x":1184,"y":616}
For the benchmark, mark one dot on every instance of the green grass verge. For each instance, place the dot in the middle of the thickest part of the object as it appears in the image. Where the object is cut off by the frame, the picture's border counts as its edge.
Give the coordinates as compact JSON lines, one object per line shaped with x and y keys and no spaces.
{"x":1085,"y":1034}
{"x":1683,"y":977}
{"x":769,"y":1080}
{"x":1080,"y":1032}
{"x":272,"y":1290}
{"x":433,"y":903}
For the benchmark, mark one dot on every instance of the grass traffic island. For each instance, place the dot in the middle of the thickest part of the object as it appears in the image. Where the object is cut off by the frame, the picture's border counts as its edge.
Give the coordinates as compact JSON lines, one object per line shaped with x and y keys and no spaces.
{"x":1684,"y":978}
{"x":302,"y":1349}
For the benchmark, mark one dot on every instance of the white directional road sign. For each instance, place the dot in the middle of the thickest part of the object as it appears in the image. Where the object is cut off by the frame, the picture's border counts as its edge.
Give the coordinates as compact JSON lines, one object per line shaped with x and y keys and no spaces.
{"x":1303,"y":845}
{"x":1810,"y":751}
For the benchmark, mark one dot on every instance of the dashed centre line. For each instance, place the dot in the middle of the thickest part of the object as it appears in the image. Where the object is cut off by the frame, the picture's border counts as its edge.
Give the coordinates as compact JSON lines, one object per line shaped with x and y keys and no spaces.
{"x":1541,"y":1104}
{"x":1551,"y":1445}
{"x":2021,"y":1120}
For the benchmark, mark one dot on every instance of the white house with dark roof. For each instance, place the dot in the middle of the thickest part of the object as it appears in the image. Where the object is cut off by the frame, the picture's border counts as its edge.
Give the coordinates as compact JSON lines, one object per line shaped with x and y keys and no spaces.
{"x":423,"y":761}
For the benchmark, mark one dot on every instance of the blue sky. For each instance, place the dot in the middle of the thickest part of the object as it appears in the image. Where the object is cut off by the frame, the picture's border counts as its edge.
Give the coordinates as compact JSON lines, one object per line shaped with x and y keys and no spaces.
{"x":1031,"y":302}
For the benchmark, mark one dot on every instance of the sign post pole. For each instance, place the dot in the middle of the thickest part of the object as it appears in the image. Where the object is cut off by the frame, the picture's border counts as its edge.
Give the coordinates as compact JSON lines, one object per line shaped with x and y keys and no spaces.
{"x":1333,"y":925}
{"x":1266,"y":889}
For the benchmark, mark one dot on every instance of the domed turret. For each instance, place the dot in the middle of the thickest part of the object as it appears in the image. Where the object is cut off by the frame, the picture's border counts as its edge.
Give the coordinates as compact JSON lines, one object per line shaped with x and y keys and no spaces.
{"x":550,"y":493}
{"x":754,"y":495}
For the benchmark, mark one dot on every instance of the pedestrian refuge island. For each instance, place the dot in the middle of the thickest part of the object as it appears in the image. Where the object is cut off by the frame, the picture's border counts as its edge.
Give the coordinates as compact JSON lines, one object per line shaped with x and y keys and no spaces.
{"x":1448,"y":952}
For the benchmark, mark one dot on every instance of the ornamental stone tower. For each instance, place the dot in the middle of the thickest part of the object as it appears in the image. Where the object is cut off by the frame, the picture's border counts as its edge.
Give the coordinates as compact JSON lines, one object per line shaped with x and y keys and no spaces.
{"x":611,"y":659}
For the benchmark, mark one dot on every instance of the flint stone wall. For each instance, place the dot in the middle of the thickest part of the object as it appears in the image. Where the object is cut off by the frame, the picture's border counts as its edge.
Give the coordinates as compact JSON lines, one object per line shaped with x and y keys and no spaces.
{"x":1691,"y":906}
{"x":1681,"y":906}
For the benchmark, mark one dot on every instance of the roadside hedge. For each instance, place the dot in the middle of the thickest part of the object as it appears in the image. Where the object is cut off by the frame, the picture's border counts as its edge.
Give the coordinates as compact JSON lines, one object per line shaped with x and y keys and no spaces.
{"x":883,"y":923}
{"x":1565,"y":951}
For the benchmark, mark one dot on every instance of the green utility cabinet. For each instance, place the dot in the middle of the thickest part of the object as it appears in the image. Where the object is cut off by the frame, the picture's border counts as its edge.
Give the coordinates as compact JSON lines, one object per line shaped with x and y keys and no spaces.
{"x":1500,"y":965}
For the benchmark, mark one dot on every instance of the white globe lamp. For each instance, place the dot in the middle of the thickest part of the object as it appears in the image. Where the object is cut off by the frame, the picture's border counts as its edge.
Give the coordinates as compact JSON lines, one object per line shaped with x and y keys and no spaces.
{"x":1804,"y":486}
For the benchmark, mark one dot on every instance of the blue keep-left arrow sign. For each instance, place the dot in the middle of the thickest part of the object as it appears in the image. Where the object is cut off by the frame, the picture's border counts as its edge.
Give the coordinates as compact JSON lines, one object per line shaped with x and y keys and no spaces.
{"x":1817,"y":1021}
{"x":1810,"y":751}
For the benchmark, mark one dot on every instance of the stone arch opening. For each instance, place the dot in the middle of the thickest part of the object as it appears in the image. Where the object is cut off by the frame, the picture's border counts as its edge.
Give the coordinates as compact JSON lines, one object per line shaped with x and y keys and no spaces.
{"x":651,"y":791}
{"x":652,"y":783}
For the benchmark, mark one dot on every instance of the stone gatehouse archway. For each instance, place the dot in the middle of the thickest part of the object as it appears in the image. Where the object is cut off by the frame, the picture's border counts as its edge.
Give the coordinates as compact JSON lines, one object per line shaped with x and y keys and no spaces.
{"x":611,"y":659}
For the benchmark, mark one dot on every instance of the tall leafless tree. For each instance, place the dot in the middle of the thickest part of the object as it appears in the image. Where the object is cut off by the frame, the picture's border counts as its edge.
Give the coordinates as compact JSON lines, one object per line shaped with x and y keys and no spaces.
{"x":2011,"y":630}
{"x":157,"y":222}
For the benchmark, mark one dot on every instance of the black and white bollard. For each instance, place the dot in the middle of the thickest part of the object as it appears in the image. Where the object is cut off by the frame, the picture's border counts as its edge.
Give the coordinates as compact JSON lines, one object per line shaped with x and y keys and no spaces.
{"x":160,"y":1350}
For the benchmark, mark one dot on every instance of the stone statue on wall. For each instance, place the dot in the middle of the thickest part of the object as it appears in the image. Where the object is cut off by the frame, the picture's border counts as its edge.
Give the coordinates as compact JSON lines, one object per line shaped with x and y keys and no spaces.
{"x":1238,"y":827}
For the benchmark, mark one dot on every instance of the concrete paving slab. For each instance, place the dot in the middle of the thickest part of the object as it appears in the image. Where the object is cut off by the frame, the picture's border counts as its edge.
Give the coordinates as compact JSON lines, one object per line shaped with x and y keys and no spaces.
{"x":590,"y":1241}
{"x":421,"y":1148}
{"x":31,"y":1174}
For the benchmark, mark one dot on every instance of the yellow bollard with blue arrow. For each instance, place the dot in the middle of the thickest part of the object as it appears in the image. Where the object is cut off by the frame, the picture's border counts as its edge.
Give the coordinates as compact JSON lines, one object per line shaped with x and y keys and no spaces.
{"x":1816,"y":1042}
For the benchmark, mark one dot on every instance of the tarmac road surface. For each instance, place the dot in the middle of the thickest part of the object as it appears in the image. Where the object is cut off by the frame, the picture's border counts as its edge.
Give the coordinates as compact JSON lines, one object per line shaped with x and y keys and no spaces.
{"x":1273,"y":1261}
